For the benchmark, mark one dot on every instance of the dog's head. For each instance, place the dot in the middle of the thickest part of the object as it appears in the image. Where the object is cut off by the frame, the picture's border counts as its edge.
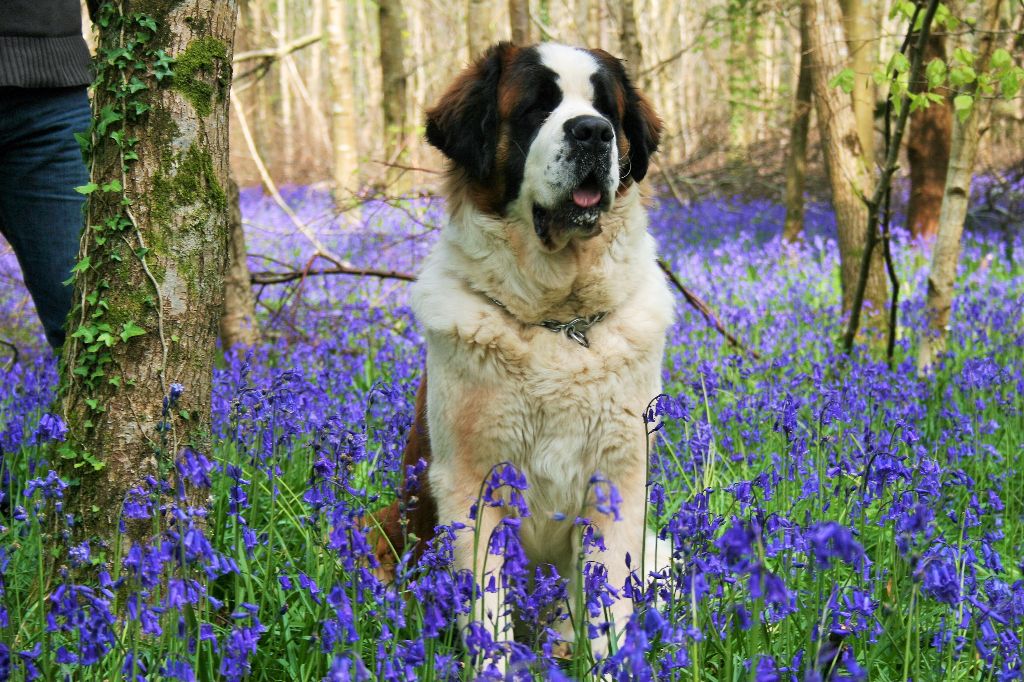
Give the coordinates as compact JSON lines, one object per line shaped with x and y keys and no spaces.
{"x":550,"y":133}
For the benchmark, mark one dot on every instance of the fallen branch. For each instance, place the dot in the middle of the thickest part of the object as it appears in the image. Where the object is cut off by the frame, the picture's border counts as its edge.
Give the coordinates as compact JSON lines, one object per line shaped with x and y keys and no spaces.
{"x":272,"y":53}
{"x":709,"y":315}
{"x":270,"y":277}
{"x":14,"y":353}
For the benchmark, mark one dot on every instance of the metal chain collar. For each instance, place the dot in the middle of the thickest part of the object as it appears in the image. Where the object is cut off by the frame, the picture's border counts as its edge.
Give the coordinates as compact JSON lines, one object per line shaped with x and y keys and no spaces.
{"x":575,"y":329}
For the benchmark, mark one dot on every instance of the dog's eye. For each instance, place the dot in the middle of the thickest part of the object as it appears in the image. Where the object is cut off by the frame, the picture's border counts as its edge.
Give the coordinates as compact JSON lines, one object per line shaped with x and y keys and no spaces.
{"x":544,"y":101}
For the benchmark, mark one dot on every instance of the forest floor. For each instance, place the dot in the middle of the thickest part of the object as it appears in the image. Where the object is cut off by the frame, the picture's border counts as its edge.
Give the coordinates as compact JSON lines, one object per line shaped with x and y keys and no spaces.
{"x":830,"y":517}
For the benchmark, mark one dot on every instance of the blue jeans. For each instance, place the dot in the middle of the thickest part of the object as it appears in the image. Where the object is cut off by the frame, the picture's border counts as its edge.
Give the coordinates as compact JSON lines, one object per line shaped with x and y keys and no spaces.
{"x":40,"y":211}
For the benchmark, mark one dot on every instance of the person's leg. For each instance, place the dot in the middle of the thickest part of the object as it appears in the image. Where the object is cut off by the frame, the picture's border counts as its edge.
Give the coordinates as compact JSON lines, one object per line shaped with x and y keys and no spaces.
{"x":40,"y":211}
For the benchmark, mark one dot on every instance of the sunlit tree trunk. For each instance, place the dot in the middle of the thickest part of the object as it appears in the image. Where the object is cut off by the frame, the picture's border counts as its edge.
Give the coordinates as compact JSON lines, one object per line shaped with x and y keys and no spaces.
{"x":862,"y":38}
{"x":343,"y":115}
{"x":928,"y":146}
{"x":946,"y":253}
{"x":849,"y":177}
{"x":238,"y":323}
{"x":519,"y":20}
{"x":796,"y":162}
{"x":631,"y":50}
{"x":391,"y":19}
{"x":287,"y":124}
{"x":477,"y":27}
{"x":150,"y":280}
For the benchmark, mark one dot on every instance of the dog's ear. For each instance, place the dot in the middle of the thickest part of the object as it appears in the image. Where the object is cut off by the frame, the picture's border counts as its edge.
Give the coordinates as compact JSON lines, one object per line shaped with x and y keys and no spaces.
{"x":642,"y":128}
{"x":464,"y":123}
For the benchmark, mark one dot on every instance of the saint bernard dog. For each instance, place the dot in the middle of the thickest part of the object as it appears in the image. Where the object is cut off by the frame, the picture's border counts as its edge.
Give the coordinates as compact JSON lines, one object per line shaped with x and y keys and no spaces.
{"x":544,"y":312}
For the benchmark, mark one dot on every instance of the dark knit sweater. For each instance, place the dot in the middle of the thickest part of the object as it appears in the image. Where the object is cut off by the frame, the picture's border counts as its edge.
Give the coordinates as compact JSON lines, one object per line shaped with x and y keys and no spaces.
{"x":41,"y":44}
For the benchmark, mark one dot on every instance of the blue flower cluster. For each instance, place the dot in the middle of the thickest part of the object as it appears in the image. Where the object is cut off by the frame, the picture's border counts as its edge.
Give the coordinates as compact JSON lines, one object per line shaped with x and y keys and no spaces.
{"x":829,"y":518}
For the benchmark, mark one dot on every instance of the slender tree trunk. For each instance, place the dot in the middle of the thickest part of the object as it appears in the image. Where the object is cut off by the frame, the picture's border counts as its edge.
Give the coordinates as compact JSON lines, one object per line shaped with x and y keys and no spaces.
{"x":287,"y":124}
{"x":848,"y":174}
{"x":391,"y":19}
{"x":946,"y":253}
{"x":861,"y":36}
{"x":928,"y":148}
{"x":477,"y":27}
{"x":519,"y":19}
{"x":150,"y":279}
{"x":796,"y":162}
{"x":238,"y":323}
{"x":631,"y":51}
{"x":343,"y":116}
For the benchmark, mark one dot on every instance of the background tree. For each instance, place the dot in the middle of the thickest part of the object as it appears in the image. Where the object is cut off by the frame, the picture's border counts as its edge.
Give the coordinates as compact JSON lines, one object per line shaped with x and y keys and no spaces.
{"x":519,"y":20}
{"x":860,"y":20}
{"x":344,"y":173}
{"x":928,"y":144}
{"x":391,"y":18}
{"x":238,"y":325}
{"x":972,"y":108}
{"x":849,"y":177}
{"x":149,"y":282}
{"x":796,"y":159}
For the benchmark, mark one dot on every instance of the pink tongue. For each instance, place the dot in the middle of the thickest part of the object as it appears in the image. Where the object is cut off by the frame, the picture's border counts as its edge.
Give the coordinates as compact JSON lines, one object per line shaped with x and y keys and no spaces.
{"x":585,"y":198}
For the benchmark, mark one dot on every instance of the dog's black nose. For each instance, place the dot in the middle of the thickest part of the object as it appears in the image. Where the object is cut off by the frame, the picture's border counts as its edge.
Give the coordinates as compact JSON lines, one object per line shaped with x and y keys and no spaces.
{"x":590,"y":132}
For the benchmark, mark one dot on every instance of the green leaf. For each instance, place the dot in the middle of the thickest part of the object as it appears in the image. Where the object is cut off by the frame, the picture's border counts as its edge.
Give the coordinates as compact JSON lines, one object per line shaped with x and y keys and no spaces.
{"x":185,"y":414}
{"x":899,"y":63}
{"x":1010,"y":82}
{"x":87,"y":188}
{"x":130,"y":329}
{"x":963,"y":105}
{"x":935,"y":72}
{"x":112,"y":186}
{"x":961,"y":76}
{"x":844,"y":80}
{"x":107,"y":117}
{"x":82,"y":265}
{"x":963,"y":56}
{"x":1001,"y":59}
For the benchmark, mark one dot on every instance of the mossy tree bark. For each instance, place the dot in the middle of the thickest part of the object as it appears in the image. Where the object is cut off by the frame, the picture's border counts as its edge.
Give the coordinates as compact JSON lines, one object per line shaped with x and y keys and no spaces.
{"x":850,"y":179}
{"x":150,"y":280}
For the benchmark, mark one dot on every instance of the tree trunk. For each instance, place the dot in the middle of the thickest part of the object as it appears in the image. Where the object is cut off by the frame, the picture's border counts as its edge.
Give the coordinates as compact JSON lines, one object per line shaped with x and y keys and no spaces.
{"x":928,"y":147}
{"x":477,"y":28}
{"x":287,"y":124}
{"x":848,"y":174}
{"x":238,"y":323}
{"x":150,"y":279}
{"x":343,"y":117}
{"x":391,"y":20}
{"x":796,"y":162}
{"x":519,"y":19}
{"x":861,"y":37}
{"x":631,"y":50}
{"x":946,"y":253}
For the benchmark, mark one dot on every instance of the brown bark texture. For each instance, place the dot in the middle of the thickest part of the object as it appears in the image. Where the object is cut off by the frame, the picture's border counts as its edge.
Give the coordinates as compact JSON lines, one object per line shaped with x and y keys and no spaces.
{"x":928,"y":147}
{"x":391,"y":18}
{"x":238,"y":323}
{"x":157,"y":278}
{"x":957,"y":194}
{"x":477,"y":28}
{"x":519,"y":20}
{"x":796,"y":161}
{"x":849,"y":178}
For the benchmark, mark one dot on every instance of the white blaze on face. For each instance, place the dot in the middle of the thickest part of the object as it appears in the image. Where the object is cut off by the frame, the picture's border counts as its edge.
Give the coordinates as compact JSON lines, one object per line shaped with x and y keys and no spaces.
{"x":549,"y":176}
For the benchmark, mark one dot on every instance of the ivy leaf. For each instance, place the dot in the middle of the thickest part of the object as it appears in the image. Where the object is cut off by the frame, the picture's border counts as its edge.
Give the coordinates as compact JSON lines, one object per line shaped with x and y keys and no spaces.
{"x":844,"y":80}
{"x":82,"y":265}
{"x":130,"y":329}
{"x":87,"y":188}
{"x":107,"y":116}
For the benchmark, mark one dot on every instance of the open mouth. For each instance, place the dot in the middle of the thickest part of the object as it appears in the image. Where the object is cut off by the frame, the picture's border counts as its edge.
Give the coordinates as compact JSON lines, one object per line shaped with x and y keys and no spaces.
{"x":579,"y":212}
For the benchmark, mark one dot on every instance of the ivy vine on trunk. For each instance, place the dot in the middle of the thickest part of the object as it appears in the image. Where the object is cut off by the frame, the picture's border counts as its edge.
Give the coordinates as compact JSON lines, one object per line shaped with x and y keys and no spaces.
{"x":136,"y":368}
